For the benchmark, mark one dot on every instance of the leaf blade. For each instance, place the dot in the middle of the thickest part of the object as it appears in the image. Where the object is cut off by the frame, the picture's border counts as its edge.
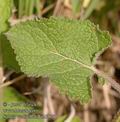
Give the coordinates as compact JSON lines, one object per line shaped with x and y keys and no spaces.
{"x":62,"y":49}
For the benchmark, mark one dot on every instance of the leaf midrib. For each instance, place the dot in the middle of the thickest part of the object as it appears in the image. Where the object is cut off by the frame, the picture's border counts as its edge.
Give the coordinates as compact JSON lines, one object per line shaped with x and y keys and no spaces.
{"x":70,"y":59}
{"x":67,"y":58}
{"x":73,"y":60}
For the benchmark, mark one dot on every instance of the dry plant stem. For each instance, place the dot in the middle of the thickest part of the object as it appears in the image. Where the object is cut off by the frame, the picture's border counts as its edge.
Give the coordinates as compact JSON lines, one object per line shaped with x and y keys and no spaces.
{"x":1,"y":90}
{"x":16,"y":21}
{"x":86,"y":3}
{"x":17,"y":120}
{"x":12,"y":81}
{"x":32,"y":92}
{"x":7,"y":76}
{"x":106,"y":90}
{"x":86,"y":113}
{"x":28,"y":93}
{"x":67,"y":4}
{"x":11,"y":120}
{"x":114,"y":93}
{"x":1,"y":75}
{"x":50,"y":103}
{"x":45,"y":108}
{"x":72,"y":114}
{"x":112,"y":82}
{"x":59,"y":2}
{"x":44,"y":11}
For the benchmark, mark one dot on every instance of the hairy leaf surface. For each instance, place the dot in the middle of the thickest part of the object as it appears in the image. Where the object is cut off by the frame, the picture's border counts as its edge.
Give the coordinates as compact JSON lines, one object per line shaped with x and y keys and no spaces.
{"x":60,"y":48}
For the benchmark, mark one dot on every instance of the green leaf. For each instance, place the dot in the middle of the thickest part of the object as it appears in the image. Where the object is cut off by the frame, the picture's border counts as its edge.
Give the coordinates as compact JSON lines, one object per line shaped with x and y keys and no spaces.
{"x":76,"y":4}
{"x":90,"y":9}
{"x":63,"y":118}
{"x":17,"y":105}
{"x":35,"y":120}
{"x":76,"y":119}
{"x":7,"y":56}
{"x":9,"y":93}
{"x":60,"y":48}
{"x":116,"y":117}
{"x":5,"y":12}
